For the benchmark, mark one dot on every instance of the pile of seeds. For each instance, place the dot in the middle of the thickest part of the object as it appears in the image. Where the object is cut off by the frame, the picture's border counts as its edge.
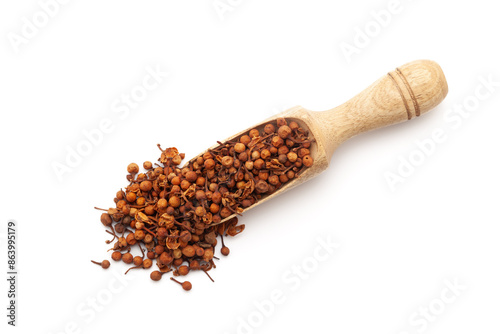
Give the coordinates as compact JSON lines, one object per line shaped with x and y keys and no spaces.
{"x":176,"y":213}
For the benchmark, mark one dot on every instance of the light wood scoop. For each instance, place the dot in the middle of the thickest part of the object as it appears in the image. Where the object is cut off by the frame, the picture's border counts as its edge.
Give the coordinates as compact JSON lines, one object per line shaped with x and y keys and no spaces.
{"x":405,"y":93}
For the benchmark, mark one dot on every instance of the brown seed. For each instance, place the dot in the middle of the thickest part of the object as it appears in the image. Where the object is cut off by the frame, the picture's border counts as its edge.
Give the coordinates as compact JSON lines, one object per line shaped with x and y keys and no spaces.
{"x":137,"y":260}
{"x":258,"y":164}
{"x":293,"y":126}
{"x":200,"y":181}
{"x":147,"y":263}
{"x":158,"y":170}
{"x":302,"y":152}
{"x":120,"y":204}
{"x":104,"y":264}
{"x":162,"y":203}
{"x":214,"y":208}
{"x":131,"y":197}
{"x":185,"y":184}
{"x":106,"y":219}
{"x":174,"y":201}
{"x":127,"y":258}
{"x":239,"y":147}
{"x":245,"y":140}
{"x":292,"y":156}
{"x":177,"y":253}
{"x":185,"y":236}
{"x":274,"y":180}
{"x":200,"y":195}
{"x":116,"y":256}
{"x":191,"y":176}
{"x":188,"y":251}
{"x":284,"y":131}
{"x":307,"y":161}
{"x":264,"y":154}
{"x":132,"y":213}
{"x":122,"y":242}
{"x":119,"y":228}
{"x":227,"y":161}
{"x":263,"y":175}
{"x":200,"y":211}
{"x":243,"y":156}
{"x":156,"y":275}
{"x":262,"y":187}
{"x":183,"y":270}
{"x":281,"y":121}
{"x":283,"y":150}
{"x":125,"y":210}
{"x":176,"y":180}
{"x":162,"y":233}
{"x":139,"y":234}
{"x":224,"y":251}
{"x":176,"y":160}
{"x":255,"y":155}
{"x":217,"y":197}
{"x":199,"y":251}
{"x":149,"y":210}
{"x":185,"y":285}
{"x":209,"y":164}
{"x":249,"y":165}
{"x":133,"y":168}
{"x":269,"y":128}
{"x":225,"y":212}
{"x":130,"y":239}
{"x":208,"y":255}
{"x":146,"y":185}
{"x":253,"y":133}
{"x":159,"y":249}
{"x":211,"y":174}
{"x":277,"y":141}
{"x":140,"y":201}
{"x":165,"y":258}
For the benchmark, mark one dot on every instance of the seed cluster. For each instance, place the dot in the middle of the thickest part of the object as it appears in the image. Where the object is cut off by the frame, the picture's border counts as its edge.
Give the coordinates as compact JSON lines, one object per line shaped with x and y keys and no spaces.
{"x":176,"y":213}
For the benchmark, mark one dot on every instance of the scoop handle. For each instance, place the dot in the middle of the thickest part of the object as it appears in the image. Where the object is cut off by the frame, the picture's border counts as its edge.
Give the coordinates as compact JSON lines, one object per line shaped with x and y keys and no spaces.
{"x":405,"y":93}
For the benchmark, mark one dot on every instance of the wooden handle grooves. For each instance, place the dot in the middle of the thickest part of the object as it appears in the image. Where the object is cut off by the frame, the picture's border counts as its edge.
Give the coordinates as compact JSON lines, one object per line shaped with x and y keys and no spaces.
{"x":406,"y":93}
{"x":413,"y":98}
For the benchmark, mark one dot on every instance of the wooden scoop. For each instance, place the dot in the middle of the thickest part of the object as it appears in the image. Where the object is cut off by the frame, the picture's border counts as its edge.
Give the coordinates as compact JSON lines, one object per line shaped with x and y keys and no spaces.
{"x":408,"y":92}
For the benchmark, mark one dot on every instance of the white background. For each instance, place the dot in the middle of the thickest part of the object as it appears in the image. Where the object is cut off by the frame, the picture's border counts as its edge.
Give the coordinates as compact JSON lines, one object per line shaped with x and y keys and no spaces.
{"x":398,"y":247}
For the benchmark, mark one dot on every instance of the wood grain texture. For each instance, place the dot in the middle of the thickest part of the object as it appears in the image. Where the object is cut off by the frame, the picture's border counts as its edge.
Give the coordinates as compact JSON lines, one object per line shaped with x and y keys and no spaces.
{"x":403,"y":94}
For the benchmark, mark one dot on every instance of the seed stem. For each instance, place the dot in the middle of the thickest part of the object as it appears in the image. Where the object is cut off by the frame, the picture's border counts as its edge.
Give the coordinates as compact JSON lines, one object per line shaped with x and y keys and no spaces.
{"x":208,"y":275}
{"x":132,"y":268}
